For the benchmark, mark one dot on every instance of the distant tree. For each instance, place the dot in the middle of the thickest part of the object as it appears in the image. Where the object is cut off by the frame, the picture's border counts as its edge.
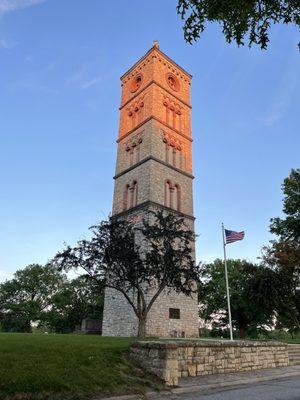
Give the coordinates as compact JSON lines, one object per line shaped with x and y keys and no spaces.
{"x":283,"y":254}
{"x":139,"y":260}
{"x":241,"y":20}
{"x":253,"y":290}
{"x":75,"y":300}
{"x":23,"y":298}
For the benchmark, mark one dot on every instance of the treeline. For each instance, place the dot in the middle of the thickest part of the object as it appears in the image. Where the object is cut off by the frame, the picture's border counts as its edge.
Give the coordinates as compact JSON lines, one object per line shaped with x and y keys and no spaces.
{"x":265,"y":295}
{"x":42,"y":297}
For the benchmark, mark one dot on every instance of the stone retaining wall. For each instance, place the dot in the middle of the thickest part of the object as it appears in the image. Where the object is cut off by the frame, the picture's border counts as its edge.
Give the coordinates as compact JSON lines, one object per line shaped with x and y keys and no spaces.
{"x":172,"y":360}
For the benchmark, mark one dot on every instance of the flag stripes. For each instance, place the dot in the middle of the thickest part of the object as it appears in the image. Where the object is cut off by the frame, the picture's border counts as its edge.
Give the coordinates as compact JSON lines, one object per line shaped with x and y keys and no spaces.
{"x":232,"y":236}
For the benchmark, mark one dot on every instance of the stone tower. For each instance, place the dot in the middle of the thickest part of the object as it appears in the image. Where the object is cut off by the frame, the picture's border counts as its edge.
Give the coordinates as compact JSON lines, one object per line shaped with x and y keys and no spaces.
{"x":154,"y":171}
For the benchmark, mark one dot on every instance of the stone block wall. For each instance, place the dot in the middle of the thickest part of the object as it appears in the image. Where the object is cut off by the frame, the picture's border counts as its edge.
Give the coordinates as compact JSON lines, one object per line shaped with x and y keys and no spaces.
{"x":161,"y":359}
{"x":119,"y":318}
{"x":173,"y":360}
{"x":159,"y":324}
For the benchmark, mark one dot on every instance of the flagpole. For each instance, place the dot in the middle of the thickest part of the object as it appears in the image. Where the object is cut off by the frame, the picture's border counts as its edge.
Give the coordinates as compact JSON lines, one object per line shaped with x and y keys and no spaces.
{"x":227,"y":285}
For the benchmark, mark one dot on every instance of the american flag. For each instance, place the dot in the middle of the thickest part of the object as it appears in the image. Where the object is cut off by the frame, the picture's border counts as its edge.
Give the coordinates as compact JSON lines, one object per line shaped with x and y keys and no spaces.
{"x":232,"y":236}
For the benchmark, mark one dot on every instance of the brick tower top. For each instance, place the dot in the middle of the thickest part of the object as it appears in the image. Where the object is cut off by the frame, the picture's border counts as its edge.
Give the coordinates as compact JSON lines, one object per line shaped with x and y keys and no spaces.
{"x":153,"y":83}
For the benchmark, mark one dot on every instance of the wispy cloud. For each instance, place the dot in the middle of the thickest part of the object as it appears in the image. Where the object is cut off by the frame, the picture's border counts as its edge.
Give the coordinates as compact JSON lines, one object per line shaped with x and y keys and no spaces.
{"x":32,"y":84}
{"x":7,"y":44}
{"x":37,"y":80}
{"x":77,"y":76}
{"x":285,"y":93}
{"x":7,"y":6}
{"x":272,"y":118}
{"x":92,"y":82}
{"x":81,"y":78}
{"x":28,"y":59}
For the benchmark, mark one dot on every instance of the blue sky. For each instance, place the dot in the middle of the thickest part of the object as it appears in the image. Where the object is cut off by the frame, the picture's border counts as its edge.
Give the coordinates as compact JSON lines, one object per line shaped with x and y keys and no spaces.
{"x":60,"y":63}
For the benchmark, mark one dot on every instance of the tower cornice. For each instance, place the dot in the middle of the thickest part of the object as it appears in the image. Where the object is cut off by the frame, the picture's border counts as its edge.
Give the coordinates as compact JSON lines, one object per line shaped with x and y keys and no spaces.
{"x":158,"y":120}
{"x":156,"y":160}
{"x":145,"y":206}
{"x":154,"y":50}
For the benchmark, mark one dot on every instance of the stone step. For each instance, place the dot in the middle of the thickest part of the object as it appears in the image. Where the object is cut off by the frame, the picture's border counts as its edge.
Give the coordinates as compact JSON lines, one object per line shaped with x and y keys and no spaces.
{"x":294,"y":362}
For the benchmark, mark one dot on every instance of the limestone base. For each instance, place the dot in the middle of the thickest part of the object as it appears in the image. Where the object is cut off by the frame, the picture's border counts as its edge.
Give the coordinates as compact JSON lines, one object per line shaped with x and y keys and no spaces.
{"x":172,"y":360}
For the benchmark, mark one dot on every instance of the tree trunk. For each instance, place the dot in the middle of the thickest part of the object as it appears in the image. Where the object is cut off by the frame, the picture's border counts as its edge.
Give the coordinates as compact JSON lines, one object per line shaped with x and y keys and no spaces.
{"x":142,"y":327}
{"x":242,"y":332}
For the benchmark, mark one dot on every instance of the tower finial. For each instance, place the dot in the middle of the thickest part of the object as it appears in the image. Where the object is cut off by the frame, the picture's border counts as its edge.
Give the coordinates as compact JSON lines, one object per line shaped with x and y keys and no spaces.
{"x":156,"y":44}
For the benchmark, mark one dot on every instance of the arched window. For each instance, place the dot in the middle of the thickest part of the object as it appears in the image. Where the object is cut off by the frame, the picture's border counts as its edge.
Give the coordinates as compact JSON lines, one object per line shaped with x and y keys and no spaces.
{"x":131,"y":156}
{"x":168,"y":194}
{"x":167,"y":151}
{"x":174,"y":157}
{"x":126,"y":198}
{"x":173,"y":116}
{"x":174,"y":151}
{"x":172,"y":196}
{"x":130,"y":196}
{"x":180,"y":160}
{"x":132,"y":149}
{"x":177,"y":198}
{"x":136,"y":152}
{"x":133,"y":194}
{"x":178,"y":112}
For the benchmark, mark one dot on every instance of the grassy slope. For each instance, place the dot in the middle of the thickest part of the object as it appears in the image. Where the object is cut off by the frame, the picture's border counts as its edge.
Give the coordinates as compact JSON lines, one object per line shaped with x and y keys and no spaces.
{"x":33,"y":366}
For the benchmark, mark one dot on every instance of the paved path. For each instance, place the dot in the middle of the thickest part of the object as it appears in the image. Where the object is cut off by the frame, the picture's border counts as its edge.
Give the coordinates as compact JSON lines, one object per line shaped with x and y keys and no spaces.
{"x":265,"y":384}
{"x":282,"y":389}
{"x":268,"y":384}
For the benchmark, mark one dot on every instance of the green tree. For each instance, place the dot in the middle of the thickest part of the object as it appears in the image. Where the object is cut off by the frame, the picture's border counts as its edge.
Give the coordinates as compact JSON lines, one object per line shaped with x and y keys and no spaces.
{"x":288,"y":229}
{"x":253,"y":290}
{"x":131,"y":257}
{"x":78,"y":299}
{"x":23,"y":298}
{"x":283,"y":254}
{"x":241,"y":20}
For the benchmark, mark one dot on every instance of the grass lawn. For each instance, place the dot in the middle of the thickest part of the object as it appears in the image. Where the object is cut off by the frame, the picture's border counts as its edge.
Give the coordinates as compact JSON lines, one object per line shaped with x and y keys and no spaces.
{"x":41,"y":366}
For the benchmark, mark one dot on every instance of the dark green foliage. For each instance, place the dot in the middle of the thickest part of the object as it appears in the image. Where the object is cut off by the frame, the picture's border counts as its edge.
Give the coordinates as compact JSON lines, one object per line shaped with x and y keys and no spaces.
{"x":130,"y":256}
{"x":253,"y":291}
{"x":288,"y":229}
{"x":44,"y":296}
{"x":261,"y":292}
{"x":283,"y":254}
{"x":78,"y":299}
{"x":26,"y":296}
{"x":241,"y":20}
{"x":15,"y":322}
